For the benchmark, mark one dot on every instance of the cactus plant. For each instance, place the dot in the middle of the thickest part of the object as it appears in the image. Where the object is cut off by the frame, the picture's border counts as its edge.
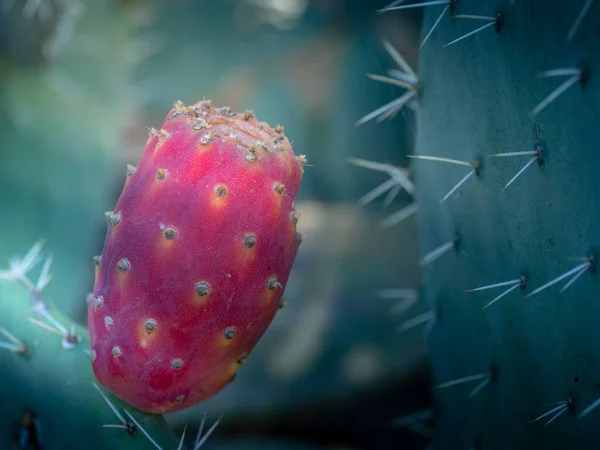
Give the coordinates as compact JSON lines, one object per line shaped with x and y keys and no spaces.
{"x":505,"y":168}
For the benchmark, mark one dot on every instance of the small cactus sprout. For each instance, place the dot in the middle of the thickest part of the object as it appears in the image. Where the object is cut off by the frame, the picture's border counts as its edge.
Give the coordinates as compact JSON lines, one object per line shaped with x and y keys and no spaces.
{"x":192,"y":245}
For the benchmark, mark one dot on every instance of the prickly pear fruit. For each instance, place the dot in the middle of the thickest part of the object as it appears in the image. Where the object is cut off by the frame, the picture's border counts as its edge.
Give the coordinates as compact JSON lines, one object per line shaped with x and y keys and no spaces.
{"x":198,"y":251}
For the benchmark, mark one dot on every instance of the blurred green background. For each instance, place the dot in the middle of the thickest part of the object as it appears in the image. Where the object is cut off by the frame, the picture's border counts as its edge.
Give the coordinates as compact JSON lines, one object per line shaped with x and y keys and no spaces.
{"x":79,"y":84}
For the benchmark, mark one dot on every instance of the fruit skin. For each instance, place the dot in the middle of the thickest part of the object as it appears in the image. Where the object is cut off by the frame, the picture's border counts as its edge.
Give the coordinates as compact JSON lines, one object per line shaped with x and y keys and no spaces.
{"x":199,"y":247}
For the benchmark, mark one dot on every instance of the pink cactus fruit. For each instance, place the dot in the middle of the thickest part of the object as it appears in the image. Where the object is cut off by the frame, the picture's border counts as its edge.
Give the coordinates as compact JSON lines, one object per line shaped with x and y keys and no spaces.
{"x":198,"y":251}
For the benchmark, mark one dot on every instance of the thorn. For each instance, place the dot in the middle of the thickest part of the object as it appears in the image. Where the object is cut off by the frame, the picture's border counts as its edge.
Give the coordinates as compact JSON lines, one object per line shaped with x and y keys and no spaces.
{"x":479,"y":387}
{"x":399,"y":216}
{"x":415,"y":5}
{"x":180,"y":447}
{"x":142,"y":429}
{"x":394,"y":3}
{"x":494,"y":23}
{"x":568,"y":72}
{"x":376,"y":192}
{"x":556,"y":93}
{"x":45,"y":275}
{"x":393,"y":81}
{"x":586,"y":7}
{"x":563,"y":406}
{"x":20,"y":266}
{"x":201,"y":442}
{"x":462,"y":380}
{"x":400,"y":174}
{"x":69,"y":338}
{"x":576,"y":270}
{"x":429,"y":316}
{"x":509,"y":290}
{"x":15,"y":344}
{"x":503,"y":155}
{"x":530,"y":162}
{"x":44,"y":326}
{"x":439,"y":251}
{"x":402,"y":306}
{"x":53,"y":321}
{"x":415,"y":422}
{"x":399,"y":75}
{"x":418,"y":416}
{"x":589,"y":409}
{"x":391,"y":195}
{"x":399,"y":60}
{"x":447,"y":160}
{"x":572,"y":280}
{"x":492,"y":286}
{"x":459,"y":184}
{"x":434,"y":26}
{"x":111,"y":405}
{"x":11,"y":347}
{"x":407,"y":298}
{"x":393,"y":105}
{"x":200,"y":429}
{"x":474,"y":17}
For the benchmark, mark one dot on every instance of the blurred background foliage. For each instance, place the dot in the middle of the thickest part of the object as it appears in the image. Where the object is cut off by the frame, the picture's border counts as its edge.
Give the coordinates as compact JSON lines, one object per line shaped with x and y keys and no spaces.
{"x":79,"y":83}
